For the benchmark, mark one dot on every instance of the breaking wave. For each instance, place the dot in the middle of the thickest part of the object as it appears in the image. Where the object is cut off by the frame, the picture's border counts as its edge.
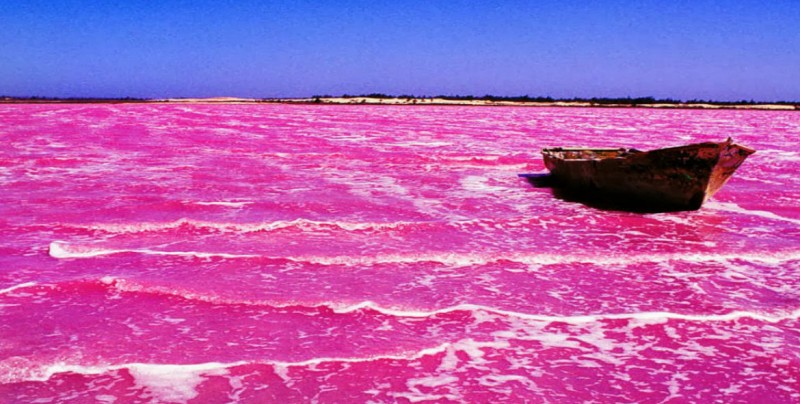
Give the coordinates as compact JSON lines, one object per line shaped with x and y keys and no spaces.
{"x":64,"y":250}
{"x":300,"y":224}
{"x":177,"y":382}
{"x":15,"y":287}
{"x":59,"y":249}
{"x":130,"y":286}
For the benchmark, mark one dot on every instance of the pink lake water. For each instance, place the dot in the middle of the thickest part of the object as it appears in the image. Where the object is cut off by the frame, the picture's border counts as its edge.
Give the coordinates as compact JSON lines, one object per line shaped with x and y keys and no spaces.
{"x":265,"y":253}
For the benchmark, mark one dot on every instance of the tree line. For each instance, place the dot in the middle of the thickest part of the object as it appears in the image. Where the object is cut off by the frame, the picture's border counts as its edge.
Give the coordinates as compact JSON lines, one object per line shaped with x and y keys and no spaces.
{"x":592,"y":100}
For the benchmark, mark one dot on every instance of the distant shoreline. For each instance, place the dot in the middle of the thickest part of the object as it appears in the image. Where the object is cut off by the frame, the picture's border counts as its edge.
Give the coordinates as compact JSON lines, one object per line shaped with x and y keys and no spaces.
{"x":416,"y":101}
{"x":508,"y":103}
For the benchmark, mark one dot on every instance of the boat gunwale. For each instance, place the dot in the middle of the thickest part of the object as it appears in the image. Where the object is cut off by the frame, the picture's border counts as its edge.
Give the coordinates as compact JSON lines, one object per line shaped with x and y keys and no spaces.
{"x":749,"y":150}
{"x":557,"y":153}
{"x":558,"y":149}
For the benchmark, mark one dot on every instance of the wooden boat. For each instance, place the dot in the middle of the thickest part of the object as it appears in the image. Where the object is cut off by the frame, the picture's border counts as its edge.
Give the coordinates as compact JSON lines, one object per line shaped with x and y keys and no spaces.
{"x":675,"y":178}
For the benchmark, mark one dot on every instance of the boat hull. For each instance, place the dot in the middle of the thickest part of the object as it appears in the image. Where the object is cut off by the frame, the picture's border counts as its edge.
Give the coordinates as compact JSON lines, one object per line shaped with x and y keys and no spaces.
{"x":677,"y":178}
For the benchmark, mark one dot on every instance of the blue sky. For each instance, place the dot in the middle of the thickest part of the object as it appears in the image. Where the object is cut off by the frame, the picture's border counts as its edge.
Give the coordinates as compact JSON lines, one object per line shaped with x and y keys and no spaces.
{"x":723,"y":50}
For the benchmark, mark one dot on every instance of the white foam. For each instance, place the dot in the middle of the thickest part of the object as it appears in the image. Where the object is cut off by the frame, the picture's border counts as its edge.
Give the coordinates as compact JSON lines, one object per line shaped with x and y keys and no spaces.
{"x":466,"y":259}
{"x":497,"y":380}
{"x":224,"y":203}
{"x":419,"y":143}
{"x":379,"y":188}
{"x":783,"y":155}
{"x":732,"y":207}
{"x":641,"y":318}
{"x":433,"y":381}
{"x":501,"y":169}
{"x":449,"y":362}
{"x":174,"y":382}
{"x":415,"y":395}
{"x":638,"y":319}
{"x":480,"y":184}
{"x":167,"y":382}
{"x":15,"y":287}
{"x":124,"y":285}
{"x":63,"y":250}
{"x":157,"y":376}
{"x":302,"y":224}
{"x":487,"y":158}
{"x":673,"y":385}
{"x":60,"y":249}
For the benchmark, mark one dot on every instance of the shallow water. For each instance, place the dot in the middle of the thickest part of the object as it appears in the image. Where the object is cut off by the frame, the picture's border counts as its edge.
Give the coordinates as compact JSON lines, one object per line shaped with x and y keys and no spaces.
{"x":385,"y":254}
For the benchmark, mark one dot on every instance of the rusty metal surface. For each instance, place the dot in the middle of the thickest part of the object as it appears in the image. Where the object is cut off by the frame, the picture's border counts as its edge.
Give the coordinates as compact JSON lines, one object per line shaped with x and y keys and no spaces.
{"x":679,"y":178}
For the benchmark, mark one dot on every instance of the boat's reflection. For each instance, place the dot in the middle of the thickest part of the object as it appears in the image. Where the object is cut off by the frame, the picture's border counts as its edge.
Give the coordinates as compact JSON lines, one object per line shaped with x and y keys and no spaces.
{"x":595,"y":199}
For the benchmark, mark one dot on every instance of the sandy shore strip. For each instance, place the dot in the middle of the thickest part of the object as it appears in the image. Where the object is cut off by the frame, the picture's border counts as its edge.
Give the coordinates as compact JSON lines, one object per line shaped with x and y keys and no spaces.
{"x":448,"y":101}
{"x":365,"y":100}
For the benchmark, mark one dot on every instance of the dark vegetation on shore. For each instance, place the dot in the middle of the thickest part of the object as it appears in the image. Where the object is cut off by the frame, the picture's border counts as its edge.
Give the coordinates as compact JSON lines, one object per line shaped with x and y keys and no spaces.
{"x":593,"y":100}
{"x":77,"y":100}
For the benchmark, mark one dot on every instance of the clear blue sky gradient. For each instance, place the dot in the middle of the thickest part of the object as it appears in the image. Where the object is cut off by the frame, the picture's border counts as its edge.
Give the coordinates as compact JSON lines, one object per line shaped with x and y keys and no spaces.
{"x":721,"y":50}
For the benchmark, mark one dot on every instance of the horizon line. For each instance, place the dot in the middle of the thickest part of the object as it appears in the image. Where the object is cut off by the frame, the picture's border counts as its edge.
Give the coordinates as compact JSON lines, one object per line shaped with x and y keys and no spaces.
{"x":487,"y":97}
